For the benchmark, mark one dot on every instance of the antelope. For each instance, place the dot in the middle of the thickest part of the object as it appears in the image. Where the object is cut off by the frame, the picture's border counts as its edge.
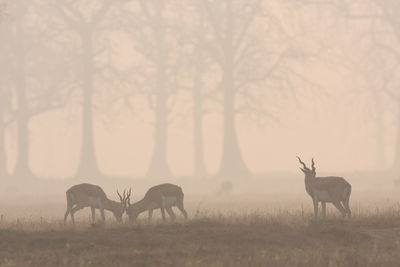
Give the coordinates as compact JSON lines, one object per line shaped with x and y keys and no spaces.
{"x":88,"y":195}
{"x":163,"y":196}
{"x":332,"y":189}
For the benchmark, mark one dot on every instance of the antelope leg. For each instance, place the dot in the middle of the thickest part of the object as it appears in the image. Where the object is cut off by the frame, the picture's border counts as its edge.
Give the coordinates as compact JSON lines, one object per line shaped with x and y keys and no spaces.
{"x":315,"y":202}
{"x":323,"y":209}
{"x":150,"y":215}
{"x":179,"y":205}
{"x":171,"y":213}
{"x":339,"y":207}
{"x":93,"y":215}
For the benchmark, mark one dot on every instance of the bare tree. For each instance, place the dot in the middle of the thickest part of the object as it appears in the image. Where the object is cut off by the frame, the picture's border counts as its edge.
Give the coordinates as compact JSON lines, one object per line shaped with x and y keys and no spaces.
{"x":390,"y":15}
{"x":5,"y":121}
{"x":384,"y":19}
{"x":251,"y":62}
{"x":374,"y":70}
{"x":35,"y":92}
{"x":85,"y":22}
{"x":3,"y":159}
{"x":5,"y":94}
{"x":22,"y":168}
{"x":154,"y":40}
{"x":200,"y":64}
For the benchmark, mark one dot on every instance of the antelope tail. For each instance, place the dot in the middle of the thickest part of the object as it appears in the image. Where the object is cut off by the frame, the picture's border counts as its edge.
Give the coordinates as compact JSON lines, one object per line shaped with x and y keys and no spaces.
{"x":181,"y":192}
{"x":70,"y":198}
{"x":347,"y":192}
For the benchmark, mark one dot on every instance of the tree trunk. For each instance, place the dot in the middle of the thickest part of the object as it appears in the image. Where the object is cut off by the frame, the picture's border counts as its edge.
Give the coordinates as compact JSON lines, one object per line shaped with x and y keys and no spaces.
{"x":232,"y":163}
{"x":380,"y":153}
{"x":158,"y":166}
{"x":88,"y":166}
{"x":22,"y":169}
{"x":199,"y":164}
{"x":396,"y":161}
{"x":3,"y":158}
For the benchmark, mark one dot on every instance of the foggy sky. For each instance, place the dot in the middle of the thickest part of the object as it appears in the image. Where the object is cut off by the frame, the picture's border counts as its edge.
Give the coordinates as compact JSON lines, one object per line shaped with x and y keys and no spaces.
{"x":324,"y":107}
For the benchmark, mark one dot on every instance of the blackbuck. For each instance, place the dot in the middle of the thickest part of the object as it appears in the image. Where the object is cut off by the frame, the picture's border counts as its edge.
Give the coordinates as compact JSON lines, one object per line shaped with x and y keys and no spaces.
{"x":163,"y":197}
{"x":331,"y":189}
{"x":87,"y":195}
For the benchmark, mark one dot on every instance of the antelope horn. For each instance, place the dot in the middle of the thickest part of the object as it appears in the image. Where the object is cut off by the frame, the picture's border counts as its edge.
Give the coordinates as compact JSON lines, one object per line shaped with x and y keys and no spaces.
{"x":313,"y":164}
{"x":304,"y":165}
{"x":120,"y":197}
{"x":128,"y":196}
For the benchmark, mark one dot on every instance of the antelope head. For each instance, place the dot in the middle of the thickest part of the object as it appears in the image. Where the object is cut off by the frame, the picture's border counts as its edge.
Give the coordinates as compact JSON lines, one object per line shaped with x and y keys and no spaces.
{"x":310,"y":173}
{"x":124,"y":202}
{"x":132,"y":210}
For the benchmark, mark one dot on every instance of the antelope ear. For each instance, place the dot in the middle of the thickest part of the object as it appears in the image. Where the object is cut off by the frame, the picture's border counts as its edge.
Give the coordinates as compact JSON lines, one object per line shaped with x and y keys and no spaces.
{"x":303,"y":170}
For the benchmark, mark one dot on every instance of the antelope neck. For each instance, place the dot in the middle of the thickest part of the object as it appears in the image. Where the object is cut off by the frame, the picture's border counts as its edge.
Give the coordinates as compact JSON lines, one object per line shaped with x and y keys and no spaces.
{"x":140,"y":204}
{"x":110,"y":204}
{"x":308,"y":181}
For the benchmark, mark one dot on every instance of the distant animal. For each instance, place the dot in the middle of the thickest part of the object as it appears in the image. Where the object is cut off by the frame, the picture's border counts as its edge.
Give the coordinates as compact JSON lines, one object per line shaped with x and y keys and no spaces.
{"x":88,"y":195}
{"x":225,"y":188}
{"x":332,"y":189}
{"x":163,"y":197}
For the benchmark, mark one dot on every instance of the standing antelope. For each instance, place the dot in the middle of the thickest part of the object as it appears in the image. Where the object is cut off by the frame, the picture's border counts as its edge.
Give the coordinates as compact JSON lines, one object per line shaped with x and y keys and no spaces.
{"x":332,"y":189}
{"x":163,"y":196}
{"x":87,"y":195}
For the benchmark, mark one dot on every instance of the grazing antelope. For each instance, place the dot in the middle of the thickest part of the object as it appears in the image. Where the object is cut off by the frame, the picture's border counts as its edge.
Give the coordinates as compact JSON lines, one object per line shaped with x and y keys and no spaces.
{"x":332,"y":189}
{"x":87,"y":195}
{"x":163,"y":196}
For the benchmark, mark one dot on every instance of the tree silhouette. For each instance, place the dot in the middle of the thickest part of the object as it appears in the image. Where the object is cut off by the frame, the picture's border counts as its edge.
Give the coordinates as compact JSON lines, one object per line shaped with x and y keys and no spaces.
{"x":86,"y":26}
{"x":199,"y":65}
{"x":155,"y":40}
{"x":383,"y":16}
{"x":251,"y":48}
{"x":6,"y":118}
{"x":28,"y":59}
{"x":5,"y":94}
{"x":374,"y":68}
{"x":390,"y":15}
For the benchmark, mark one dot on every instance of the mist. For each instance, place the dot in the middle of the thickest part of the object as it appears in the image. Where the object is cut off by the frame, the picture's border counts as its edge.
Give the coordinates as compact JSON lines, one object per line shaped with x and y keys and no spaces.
{"x":195,"y":89}
{"x":247,"y":108}
{"x":130,"y":93}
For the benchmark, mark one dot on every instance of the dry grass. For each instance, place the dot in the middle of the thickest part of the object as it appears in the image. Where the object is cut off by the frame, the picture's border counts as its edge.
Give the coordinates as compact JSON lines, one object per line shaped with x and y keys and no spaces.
{"x":274,"y":228}
{"x":208,"y":240}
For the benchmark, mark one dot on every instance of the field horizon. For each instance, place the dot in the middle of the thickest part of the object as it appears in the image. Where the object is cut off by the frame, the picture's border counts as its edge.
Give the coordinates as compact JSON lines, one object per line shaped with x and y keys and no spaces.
{"x":214,"y":240}
{"x":261,"y":221}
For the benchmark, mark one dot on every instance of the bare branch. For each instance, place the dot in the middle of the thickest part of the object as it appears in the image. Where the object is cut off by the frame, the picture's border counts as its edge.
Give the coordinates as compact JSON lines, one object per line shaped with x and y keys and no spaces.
{"x":246,"y":24}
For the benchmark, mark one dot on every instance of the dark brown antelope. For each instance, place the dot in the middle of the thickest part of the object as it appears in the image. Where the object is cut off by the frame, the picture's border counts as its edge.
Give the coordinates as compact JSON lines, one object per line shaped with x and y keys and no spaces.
{"x":88,"y":195}
{"x":163,"y":196}
{"x":331,"y":189}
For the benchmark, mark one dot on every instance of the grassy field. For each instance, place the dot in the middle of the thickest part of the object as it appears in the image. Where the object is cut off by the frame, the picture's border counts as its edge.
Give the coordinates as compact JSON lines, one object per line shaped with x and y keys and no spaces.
{"x":258,"y":225}
{"x":221,"y":240}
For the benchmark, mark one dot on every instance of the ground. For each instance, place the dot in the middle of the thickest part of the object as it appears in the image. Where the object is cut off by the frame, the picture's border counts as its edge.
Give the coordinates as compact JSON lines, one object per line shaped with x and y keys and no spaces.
{"x":264,"y":222}
{"x":254,"y":240}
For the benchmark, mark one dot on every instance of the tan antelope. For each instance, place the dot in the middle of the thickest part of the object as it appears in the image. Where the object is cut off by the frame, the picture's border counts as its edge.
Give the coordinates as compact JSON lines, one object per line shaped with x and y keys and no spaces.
{"x":331,"y":189}
{"x":88,"y":195}
{"x":163,"y":196}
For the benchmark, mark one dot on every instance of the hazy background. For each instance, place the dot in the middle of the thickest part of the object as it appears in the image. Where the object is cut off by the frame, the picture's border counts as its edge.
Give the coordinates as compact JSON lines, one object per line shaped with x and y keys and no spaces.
{"x":129,"y":93}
